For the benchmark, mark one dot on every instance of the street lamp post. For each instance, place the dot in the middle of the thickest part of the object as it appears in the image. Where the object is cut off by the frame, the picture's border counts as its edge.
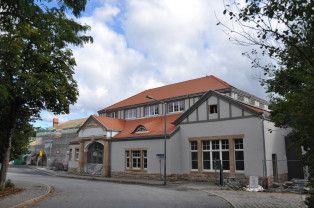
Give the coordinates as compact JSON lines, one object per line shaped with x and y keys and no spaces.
{"x":165,"y":139}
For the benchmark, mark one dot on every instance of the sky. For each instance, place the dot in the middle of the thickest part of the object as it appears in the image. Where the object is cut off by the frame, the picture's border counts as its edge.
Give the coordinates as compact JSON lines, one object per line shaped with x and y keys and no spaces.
{"x":143,"y":44}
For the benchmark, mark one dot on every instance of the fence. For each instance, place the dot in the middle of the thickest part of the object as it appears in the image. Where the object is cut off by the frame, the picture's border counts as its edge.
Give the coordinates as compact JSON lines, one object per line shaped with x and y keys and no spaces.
{"x":283,"y":170}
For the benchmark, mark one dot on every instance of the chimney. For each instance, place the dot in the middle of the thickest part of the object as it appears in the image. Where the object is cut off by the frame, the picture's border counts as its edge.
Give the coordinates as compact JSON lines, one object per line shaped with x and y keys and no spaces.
{"x":55,"y":122}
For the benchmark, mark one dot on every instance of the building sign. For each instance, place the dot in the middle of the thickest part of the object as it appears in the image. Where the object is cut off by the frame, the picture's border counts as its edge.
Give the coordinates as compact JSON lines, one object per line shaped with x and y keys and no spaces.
{"x":57,"y":151}
{"x":40,"y":153}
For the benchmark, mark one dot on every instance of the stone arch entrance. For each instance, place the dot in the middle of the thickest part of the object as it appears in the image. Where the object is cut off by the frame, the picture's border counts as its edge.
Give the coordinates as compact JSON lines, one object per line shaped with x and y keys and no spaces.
{"x":95,"y":155}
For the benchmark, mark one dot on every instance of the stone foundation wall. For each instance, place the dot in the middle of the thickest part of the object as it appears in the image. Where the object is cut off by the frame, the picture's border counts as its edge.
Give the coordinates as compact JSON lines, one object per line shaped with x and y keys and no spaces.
{"x":72,"y":170}
{"x":281,"y":178}
{"x":203,"y":177}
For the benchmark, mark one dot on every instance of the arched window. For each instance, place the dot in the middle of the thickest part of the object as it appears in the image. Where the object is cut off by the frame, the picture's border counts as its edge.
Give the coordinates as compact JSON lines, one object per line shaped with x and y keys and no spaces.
{"x":140,"y":129}
{"x":95,"y":153}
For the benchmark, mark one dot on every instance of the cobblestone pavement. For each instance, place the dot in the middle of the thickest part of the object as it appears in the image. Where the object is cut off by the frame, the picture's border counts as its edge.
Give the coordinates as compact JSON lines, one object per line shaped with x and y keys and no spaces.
{"x":30,"y":192}
{"x":245,"y":199}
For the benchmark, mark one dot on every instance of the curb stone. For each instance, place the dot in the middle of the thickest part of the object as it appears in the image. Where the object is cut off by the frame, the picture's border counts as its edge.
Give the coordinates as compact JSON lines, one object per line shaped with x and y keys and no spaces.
{"x":49,"y":190}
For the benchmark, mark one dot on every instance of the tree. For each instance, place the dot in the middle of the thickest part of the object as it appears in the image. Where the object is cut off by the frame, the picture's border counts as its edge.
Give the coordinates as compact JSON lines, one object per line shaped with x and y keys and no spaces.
{"x":283,"y":31}
{"x":36,"y":64}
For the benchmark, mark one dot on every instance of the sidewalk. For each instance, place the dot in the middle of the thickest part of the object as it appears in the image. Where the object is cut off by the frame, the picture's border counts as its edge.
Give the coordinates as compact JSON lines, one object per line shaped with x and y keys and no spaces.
{"x":31,"y":193}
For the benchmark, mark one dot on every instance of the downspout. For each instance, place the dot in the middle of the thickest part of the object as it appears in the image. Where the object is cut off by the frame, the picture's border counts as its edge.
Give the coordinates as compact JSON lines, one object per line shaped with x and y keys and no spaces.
{"x":264,"y":147}
{"x":109,"y":155}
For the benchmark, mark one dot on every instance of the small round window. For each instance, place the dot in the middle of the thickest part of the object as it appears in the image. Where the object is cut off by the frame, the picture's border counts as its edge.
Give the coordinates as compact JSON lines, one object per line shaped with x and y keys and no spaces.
{"x":140,"y":129}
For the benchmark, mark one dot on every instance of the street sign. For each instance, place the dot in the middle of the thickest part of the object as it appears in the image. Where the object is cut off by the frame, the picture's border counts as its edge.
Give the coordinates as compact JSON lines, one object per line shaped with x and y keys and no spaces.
{"x":40,"y":153}
{"x":160,"y":155}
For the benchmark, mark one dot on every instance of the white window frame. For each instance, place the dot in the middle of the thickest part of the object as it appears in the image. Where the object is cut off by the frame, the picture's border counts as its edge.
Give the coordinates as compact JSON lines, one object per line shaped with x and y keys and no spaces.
{"x":140,"y":129}
{"x":238,"y":150}
{"x":127,"y":159}
{"x":112,"y":115}
{"x":76,"y":154}
{"x":137,"y":159}
{"x":192,"y":150}
{"x":211,"y":150}
{"x":144,"y":152}
{"x":129,"y":114}
{"x":151,"y":110}
{"x":176,"y":106}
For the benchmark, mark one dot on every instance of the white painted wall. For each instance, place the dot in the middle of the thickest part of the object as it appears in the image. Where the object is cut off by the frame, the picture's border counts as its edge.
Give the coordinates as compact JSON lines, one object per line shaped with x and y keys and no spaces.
{"x":253,"y":142}
{"x":73,"y":163}
{"x":275,"y":144}
{"x":224,"y":109}
{"x":154,"y":146}
{"x":202,"y":112}
{"x":87,"y":132}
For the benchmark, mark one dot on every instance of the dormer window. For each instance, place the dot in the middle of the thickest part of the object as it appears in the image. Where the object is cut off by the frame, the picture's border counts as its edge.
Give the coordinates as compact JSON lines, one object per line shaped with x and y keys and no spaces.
{"x":129,"y":114}
{"x":112,"y":115}
{"x":176,"y":106}
{"x":140,"y":129}
{"x":151,"y":110}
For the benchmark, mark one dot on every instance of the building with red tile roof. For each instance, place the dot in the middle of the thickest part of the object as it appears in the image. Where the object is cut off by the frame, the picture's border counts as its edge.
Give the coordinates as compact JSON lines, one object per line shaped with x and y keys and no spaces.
{"x":207,"y":121}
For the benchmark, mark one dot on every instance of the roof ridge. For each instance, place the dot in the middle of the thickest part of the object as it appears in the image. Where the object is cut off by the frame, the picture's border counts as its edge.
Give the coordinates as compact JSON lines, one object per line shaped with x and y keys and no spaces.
{"x":201,"y":84}
{"x":220,"y":80}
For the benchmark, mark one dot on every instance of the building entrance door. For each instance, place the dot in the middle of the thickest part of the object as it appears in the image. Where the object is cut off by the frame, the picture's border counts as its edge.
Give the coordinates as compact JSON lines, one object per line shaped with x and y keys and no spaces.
{"x":95,"y":156}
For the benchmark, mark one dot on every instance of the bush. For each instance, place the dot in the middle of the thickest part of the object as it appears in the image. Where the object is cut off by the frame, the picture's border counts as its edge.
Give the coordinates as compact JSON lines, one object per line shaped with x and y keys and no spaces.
{"x":9,"y":184}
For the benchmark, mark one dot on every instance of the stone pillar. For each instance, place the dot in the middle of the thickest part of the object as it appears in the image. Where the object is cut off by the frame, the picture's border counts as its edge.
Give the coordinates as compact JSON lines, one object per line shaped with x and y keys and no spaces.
{"x":199,"y":156}
{"x":105,"y":169}
{"x":231,"y":157}
{"x":81,"y":158}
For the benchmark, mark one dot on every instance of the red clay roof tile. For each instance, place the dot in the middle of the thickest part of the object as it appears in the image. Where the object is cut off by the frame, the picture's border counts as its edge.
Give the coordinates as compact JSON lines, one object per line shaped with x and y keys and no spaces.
{"x":75,"y":140}
{"x":111,"y":123}
{"x":154,"y":126}
{"x":202,"y":84}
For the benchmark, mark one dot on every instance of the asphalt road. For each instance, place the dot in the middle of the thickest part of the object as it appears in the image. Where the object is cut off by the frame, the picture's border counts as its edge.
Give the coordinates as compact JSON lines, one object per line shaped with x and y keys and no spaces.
{"x":85,"y":193}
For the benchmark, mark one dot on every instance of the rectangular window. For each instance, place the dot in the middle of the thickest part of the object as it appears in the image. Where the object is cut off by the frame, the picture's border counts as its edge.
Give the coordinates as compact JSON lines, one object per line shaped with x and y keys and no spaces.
{"x":70,"y":155}
{"x":77,"y":152}
{"x":136,"y":159}
{"x":241,"y":98}
{"x":129,"y":114}
{"x":127,"y":159}
{"x":112,"y":115}
{"x":145,"y":159}
{"x":194,"y":155}
{"x":213,"y":109}
{"x":214,"y":152}
{"x":151,"y":110}
{"x":176,"y":106}
{"x":206,"y":155}
{"x":239,"y":154}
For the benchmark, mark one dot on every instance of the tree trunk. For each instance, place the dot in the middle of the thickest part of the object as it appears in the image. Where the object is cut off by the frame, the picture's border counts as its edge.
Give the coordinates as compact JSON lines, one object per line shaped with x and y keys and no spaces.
{"x":8,"y":143}
{"x":5,"y":164}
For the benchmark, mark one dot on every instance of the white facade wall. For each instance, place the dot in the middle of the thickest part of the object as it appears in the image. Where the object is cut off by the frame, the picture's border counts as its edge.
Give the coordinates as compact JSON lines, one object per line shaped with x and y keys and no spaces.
{"x":253,"y":141}
{"x":275,"y":144}
{"x":154,"y":146}
{"x":73,"y":163}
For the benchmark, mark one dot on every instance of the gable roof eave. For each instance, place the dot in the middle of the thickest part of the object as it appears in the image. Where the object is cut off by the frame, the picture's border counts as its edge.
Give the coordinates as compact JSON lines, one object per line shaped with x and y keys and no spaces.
{"x":223,"y":97}
{"x":147,"y":137}
{"x":95,"y":119}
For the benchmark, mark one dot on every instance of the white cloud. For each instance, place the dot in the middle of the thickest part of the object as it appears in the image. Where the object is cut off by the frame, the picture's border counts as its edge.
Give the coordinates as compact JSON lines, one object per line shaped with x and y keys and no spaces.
{"x":162,"y":42}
